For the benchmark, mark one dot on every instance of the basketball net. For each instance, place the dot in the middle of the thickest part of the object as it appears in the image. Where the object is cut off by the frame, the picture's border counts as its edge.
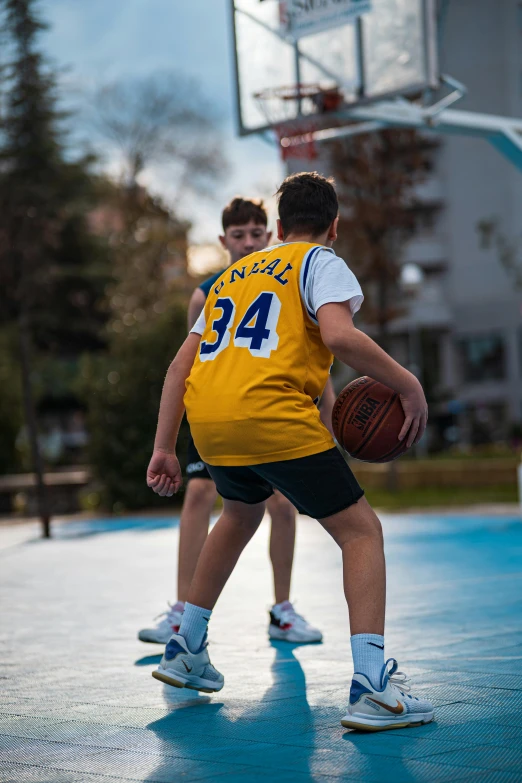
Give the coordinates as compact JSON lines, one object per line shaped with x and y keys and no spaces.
{"x":296,"y":135}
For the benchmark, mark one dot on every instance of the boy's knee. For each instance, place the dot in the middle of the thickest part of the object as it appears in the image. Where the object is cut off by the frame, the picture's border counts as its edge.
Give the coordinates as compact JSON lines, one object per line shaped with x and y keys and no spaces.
{"x":356,"y":521}
{"x":200,"y":492}
{"x":284,"y":517}
{"x":243,"y":514}
{"x":281,"y":510}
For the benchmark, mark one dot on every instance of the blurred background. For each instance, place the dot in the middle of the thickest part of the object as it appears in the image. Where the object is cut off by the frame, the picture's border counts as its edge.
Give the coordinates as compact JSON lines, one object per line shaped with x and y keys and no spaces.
{"x":118,"y":152}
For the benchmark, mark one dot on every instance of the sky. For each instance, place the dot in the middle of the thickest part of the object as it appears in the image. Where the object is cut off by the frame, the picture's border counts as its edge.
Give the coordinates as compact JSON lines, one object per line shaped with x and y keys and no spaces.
{"x":101,"y":41}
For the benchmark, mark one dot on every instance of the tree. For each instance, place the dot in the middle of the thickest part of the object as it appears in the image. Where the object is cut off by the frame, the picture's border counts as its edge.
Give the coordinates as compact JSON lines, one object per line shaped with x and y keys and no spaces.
{"x":158,"y":120}
{"x":43,"y":196}
{"x":122,"y":389}
{"x":376,"y":176}
{"x":147,"y":323}
{"x":148,"y":122}
{"x":10,"y":403}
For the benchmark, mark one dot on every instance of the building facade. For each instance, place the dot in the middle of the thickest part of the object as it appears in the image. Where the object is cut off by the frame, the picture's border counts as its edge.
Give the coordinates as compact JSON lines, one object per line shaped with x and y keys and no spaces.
{"x":462,"y":328}
{"x":473,"y":248}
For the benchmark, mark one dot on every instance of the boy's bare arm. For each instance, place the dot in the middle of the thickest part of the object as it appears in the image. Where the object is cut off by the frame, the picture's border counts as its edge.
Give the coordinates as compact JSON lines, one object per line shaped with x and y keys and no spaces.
{"x":326,"y":405}
{"x":196,"y":305}
{"x":357,"y":350}
{"x":164,"y":473}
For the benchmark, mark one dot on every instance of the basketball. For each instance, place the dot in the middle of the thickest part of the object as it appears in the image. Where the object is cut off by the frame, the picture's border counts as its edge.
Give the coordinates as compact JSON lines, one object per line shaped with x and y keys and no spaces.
{"x":367,"y":418}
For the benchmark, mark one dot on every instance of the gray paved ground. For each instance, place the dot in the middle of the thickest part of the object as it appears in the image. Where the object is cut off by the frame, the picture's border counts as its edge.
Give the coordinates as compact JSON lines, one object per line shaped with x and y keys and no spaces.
{"x":78,"y":702}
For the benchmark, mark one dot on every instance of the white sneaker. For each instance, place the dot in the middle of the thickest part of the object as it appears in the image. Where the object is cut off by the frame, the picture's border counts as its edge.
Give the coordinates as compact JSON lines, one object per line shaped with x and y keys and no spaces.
{"x":390,"y":707}
{"x":286,"y":625}
{"x":183,"y":669}
{"x":162,"y":632}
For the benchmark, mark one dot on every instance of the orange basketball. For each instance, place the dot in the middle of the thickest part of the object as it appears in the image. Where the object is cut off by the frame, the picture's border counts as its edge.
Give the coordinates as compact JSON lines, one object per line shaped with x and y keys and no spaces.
{"x":367,"y":418}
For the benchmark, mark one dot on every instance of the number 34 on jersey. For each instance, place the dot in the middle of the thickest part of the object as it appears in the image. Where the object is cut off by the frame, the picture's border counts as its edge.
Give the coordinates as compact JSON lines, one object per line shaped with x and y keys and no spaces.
{"x":256,"y":331}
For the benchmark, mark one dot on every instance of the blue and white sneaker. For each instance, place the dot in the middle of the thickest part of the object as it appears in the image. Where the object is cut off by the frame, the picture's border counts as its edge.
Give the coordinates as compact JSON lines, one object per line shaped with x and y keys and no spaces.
{"x":183,"y":669}
{"x":387,"y":707}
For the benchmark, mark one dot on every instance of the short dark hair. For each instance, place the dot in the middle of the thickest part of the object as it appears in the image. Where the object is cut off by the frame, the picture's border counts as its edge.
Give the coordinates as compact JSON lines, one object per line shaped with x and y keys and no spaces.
{"x":241,"y":211}
{"x":307,"y":203}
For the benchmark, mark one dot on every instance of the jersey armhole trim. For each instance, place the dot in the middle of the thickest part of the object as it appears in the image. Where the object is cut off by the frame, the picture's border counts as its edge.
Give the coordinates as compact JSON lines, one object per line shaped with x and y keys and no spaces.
{"x":305,"y":268}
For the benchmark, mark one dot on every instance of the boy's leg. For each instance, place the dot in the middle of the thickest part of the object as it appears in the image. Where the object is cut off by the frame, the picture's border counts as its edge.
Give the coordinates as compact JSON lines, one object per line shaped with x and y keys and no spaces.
{"x":285,"y":623}
{"x":244,"y":496}
{"x":186,"y":663}
{"x":358,"y":532}
{"x":282,"y":543}
{"x":198,"y":503}
{"x":223,"y":546}
{"x":195,"y":517}
{"x":323,"y":486}
{"x":379,"y":698}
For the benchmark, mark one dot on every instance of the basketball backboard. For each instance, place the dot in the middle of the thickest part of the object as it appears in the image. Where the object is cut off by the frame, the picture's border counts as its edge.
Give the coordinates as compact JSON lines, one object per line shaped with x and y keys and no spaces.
{"x":389,"y":50}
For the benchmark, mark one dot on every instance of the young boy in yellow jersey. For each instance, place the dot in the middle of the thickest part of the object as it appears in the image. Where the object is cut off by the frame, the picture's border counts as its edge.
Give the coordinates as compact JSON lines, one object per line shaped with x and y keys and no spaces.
{"x":245,"y":230}
{"x":248,"y":375}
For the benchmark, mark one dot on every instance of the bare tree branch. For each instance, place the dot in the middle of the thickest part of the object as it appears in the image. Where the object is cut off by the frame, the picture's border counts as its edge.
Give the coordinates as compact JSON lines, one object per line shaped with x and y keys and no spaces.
{"x":160,"y":119}
{"x":376,"y":175}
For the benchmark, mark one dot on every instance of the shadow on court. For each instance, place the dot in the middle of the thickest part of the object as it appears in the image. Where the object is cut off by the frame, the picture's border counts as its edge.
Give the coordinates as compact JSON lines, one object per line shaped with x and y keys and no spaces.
{"x":278,"y":738}
{"x":149,"y":660}
{"x":253,"y":734}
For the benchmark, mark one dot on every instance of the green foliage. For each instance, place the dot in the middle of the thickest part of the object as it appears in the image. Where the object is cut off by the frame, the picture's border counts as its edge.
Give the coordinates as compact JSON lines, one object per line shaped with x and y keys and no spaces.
{"x":10,"y":405}
{"x":145,"y":303}
{"x":45,"y":244}
{"x":52,"y":269}
{"x":439,"y":497}
{"x":122,"y":391}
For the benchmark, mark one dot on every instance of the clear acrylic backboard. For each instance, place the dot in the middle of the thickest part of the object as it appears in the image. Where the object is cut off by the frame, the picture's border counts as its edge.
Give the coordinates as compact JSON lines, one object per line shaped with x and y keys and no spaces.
{"x":388,"y":51}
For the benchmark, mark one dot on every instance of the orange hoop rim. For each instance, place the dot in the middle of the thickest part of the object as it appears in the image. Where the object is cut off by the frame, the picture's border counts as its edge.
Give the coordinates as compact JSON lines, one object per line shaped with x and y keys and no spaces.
{"x":295,"y":134}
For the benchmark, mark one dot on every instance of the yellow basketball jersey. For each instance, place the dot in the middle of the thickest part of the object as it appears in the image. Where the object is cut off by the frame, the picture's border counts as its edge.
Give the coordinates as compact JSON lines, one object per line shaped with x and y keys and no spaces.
{"x":261,"y":365}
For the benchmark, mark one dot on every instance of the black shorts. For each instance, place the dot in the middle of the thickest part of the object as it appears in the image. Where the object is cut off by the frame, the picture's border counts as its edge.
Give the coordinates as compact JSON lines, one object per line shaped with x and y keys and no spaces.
{"x":319,"y":485}
{"x":196,"y":468}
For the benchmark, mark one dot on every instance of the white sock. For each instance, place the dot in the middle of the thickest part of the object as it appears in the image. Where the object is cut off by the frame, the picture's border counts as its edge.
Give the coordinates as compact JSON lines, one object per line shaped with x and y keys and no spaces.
{"x":368,"y":656}
{"x":194,"y":623}
{"x":282,"y":606}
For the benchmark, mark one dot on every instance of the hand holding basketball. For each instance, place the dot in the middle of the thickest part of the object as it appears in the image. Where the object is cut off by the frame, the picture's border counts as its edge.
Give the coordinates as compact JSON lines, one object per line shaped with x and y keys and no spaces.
{"x":415,"y":416}
{"x":374,"y":423}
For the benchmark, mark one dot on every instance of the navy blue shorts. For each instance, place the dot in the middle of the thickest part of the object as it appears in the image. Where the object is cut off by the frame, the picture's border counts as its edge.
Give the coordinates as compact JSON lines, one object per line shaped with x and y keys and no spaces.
{"x":319,"y":485}
{"x":196,"y":468}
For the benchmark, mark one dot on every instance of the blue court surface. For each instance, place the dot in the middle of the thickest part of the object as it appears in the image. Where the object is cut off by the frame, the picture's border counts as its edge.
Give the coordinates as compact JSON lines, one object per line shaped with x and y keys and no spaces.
{"x":78,"y":702}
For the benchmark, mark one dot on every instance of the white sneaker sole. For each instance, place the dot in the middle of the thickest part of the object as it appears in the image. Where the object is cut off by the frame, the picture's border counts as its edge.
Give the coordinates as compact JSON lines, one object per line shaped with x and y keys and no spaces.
{"x":172,"y":677}
{"x":365,"y":723}
{"x":292,"y":636}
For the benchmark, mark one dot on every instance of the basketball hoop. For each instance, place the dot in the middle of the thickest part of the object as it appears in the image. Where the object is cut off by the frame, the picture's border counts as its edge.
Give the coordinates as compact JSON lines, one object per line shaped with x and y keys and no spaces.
{"x":296,"y":135}
{"x":297,"y":141}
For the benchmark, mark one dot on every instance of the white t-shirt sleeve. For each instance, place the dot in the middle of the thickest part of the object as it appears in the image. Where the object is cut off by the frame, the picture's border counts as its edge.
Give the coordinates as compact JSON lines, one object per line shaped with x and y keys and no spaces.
{"x":199,"y":326}
{"x":326,"y":278}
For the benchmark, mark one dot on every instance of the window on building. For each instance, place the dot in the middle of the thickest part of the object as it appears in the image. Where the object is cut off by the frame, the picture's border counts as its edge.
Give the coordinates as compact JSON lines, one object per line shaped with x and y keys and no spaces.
{"x":486,"y":423}
{"x":426,"y":220}
{"x":519,"y":340}
{"x":430,"y":345}
{"x":483,"y":358}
